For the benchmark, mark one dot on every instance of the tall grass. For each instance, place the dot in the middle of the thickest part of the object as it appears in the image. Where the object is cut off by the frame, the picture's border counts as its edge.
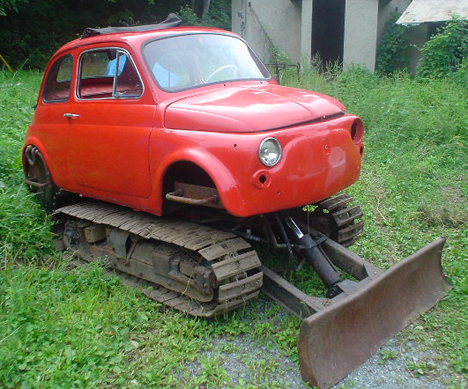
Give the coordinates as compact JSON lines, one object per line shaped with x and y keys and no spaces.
{"x":24,"y":229}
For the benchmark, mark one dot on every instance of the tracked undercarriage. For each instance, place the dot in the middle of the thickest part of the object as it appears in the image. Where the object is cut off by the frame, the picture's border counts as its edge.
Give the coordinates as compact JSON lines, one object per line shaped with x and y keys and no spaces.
{"x":190,"y":267}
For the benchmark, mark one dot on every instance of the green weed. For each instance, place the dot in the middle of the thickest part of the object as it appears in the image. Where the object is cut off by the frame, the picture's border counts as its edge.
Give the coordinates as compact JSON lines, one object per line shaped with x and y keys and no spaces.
{"x":387,"y":355}
{"x":420,"y":368}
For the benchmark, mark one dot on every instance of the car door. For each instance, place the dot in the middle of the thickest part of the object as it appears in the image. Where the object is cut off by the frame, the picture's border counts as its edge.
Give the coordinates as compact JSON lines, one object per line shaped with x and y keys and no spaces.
{"x":110,"y":125}
{"x":48,"y":130}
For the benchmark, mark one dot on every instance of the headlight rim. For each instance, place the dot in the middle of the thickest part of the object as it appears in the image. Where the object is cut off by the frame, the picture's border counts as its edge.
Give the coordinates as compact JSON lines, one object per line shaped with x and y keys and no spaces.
{"x":280,"y":151}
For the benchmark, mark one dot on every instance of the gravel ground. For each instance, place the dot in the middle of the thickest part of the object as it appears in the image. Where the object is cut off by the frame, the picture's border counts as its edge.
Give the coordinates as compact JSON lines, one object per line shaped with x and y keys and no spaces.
{"x":377,"y":372}
{"x":397,"y":365}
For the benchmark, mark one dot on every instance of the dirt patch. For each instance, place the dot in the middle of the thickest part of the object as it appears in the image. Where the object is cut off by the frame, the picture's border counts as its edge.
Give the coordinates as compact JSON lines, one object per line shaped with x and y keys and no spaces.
{"x":451,"y":209}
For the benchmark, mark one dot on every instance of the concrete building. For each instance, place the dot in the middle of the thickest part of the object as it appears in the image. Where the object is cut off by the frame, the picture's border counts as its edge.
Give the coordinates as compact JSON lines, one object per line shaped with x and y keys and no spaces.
{"x":347,"y":31}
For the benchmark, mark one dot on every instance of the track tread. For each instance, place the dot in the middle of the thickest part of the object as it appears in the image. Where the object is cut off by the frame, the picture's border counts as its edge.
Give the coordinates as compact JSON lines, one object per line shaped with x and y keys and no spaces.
{"x":236,"y":265}
{"x":207,"y":239}
{"x":345,"y":217}
{"x":220,"y":248}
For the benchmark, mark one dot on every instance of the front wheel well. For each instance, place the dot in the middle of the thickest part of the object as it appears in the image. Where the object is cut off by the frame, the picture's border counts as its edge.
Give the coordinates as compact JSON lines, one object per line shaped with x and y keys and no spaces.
{"x":185,"y":172}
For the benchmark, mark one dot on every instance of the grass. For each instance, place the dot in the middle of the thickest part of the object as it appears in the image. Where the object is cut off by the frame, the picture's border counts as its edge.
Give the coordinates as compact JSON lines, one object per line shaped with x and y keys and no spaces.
{"x":61,"y":328}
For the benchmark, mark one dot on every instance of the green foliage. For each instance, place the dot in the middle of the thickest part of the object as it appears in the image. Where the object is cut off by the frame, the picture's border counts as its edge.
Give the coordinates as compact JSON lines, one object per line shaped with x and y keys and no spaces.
{"x":65,"y":330}
{"x":461,"y":76}
{"x":278,"y":55}
{"x":392,"y":51}
{"x":388,"y":355}
{"x":18,"y":95}
{"x":189,"y":17}
{"x":10,"y":5}
{"x":420,"y":368}
{"x":219,"y":15}
{"x":30,"y":35}
{"x":32,"y":31}
{"x":445,"y":52}
{"x":24,"y":227}
{"x":32,"y":240}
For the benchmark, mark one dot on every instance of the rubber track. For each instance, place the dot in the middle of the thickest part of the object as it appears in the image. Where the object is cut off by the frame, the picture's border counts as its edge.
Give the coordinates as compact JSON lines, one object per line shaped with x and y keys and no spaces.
{"x":217,"y":247}
{"x":345,"y":216}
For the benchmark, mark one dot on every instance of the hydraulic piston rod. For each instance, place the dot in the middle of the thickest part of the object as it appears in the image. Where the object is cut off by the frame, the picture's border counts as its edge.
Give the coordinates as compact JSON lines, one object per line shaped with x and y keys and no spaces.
{"x":316,"y":257}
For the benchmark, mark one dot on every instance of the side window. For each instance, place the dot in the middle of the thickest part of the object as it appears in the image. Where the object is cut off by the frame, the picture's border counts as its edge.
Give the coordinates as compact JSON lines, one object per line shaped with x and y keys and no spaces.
{"x":108,"y":73}
{"x":57,"y":85}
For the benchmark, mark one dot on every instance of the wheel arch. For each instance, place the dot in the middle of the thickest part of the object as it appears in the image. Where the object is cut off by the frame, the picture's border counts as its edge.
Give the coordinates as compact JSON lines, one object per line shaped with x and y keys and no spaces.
{"x":35,"y":142}
{"x":201,"y":168}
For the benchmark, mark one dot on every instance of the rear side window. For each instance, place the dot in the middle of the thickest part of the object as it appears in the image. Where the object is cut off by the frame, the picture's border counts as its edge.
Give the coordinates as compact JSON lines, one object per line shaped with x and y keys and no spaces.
{"x":57,"y":85}
{"x":108,"y":73}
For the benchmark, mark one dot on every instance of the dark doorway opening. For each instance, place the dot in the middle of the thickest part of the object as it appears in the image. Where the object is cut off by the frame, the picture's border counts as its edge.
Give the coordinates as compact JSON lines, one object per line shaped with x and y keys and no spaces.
{"x":328,"y":19}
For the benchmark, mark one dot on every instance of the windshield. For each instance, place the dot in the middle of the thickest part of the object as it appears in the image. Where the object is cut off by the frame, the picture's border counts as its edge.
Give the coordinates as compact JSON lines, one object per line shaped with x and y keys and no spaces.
{"x":187,"y":61}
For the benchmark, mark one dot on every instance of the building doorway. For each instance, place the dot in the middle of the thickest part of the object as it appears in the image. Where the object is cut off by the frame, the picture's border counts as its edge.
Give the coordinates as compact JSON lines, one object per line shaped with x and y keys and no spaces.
{"x":328,"y":20}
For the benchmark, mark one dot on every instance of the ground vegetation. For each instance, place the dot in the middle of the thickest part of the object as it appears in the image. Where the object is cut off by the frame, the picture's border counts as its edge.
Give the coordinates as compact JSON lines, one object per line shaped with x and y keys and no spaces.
{"x":69,"y":327}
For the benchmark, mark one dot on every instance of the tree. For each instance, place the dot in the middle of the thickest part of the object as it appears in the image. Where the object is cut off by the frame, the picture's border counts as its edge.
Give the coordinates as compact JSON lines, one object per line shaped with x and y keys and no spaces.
{"x":200,"y":7}
{"x":30,"y":31}
{"x":10,"y":5}
{"x":206,"y":8}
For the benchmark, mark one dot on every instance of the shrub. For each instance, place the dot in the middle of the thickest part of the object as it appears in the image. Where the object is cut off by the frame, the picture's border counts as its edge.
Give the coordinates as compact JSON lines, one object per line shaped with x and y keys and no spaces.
{"x":392,"y":52}
{"x":444,"y":52}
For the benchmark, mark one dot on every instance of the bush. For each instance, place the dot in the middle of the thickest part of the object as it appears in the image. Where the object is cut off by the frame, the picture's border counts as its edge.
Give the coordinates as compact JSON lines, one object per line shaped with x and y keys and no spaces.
{"x":445,"y":52}
{"x":392,"y":52}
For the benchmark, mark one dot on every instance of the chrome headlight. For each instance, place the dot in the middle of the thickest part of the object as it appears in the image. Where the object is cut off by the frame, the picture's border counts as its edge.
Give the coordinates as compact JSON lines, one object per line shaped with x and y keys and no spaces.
{"x":269,"y":151}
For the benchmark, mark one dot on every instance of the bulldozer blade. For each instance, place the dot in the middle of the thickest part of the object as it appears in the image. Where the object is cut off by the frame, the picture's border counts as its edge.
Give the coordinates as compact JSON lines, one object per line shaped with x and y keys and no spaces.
{"x":337,"y":339}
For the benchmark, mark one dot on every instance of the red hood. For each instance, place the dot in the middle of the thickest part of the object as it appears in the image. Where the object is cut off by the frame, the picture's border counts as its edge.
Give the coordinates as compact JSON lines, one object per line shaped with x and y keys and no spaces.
{"x":249,"y":109}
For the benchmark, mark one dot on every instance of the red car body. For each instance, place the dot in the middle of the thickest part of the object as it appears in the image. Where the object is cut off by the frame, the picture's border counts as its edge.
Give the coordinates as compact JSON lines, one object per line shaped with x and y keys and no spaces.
{"x":120,"y":150}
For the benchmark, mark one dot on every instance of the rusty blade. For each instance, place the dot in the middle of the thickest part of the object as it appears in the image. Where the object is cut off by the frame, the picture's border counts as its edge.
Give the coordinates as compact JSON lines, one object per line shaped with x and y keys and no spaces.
{"x":336,"y":340}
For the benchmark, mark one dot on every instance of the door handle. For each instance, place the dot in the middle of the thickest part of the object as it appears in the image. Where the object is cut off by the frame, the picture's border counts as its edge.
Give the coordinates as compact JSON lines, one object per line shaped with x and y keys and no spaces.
{"x":71,"y":115}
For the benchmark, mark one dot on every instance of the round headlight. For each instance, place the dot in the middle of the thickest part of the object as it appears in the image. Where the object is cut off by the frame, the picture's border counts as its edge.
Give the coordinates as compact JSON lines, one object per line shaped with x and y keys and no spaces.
{"x":269,"y":151}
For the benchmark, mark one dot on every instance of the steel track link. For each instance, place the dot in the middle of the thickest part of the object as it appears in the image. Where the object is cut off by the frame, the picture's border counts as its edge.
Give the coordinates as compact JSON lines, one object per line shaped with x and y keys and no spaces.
{"x":347,"y":228}
{"x":228,"y":257}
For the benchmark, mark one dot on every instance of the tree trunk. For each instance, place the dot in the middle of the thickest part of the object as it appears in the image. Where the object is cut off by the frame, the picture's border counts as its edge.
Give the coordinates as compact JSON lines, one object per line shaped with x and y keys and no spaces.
{"x":206,"y":7}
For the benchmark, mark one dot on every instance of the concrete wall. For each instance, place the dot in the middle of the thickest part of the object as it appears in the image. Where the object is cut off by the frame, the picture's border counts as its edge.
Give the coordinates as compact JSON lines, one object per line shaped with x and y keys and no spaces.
{"x":289,"y":25}
{"x":256,"y":20}
{"x":361,"y":32}
{"x":306,"y":30}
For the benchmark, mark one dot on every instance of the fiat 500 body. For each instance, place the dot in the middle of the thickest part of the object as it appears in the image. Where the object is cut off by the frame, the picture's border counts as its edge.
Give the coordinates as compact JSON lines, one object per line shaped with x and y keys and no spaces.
{"x":120,"y":117}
